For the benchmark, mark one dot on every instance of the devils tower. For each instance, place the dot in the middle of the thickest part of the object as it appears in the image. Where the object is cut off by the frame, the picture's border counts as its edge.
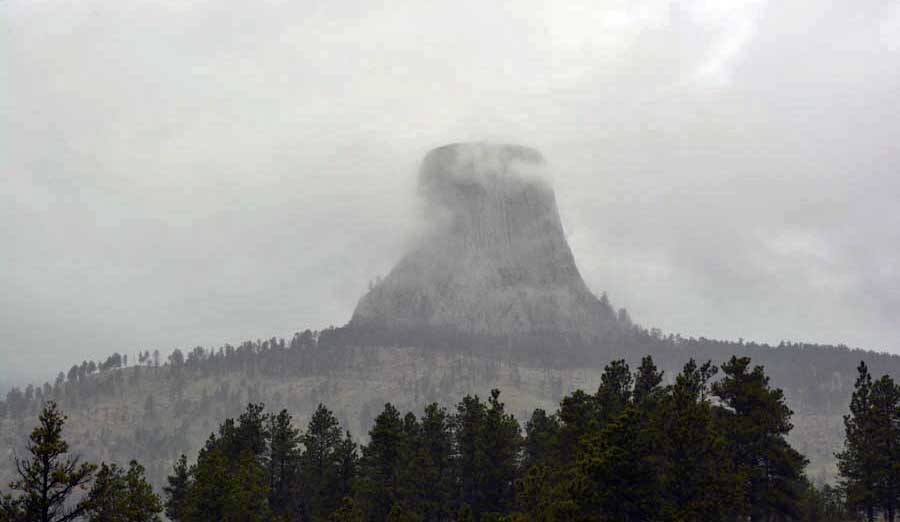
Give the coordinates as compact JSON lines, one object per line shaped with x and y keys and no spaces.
{"x":494,"y":259}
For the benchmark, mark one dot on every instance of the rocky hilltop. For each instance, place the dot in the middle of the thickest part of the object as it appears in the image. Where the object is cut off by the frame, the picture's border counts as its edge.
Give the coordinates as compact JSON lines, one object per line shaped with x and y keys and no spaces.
{"x":494,"y":258}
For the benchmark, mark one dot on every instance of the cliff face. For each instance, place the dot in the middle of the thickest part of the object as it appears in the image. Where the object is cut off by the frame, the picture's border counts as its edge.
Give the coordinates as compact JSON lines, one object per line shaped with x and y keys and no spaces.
{"x":495,"y":259}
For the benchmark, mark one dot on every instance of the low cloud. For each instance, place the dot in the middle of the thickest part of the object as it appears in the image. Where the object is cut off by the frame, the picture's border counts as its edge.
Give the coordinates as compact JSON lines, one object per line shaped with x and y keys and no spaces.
{"x":196,"y":173}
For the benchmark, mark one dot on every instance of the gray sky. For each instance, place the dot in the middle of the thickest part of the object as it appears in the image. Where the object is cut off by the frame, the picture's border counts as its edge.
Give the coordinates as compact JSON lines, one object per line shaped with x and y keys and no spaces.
{"x":178,"y":173}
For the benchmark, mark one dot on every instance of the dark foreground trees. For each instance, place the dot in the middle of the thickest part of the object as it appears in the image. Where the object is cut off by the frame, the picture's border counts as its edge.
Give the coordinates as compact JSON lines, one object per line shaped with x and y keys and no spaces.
{"x":120,"y":495}
{"x":870,"y":463}
{"x":703,"y":448}
{"x":635,"y":450}
{"x":49,"y":477}
{"x":54,"y":486}
{"x":756,"y":421}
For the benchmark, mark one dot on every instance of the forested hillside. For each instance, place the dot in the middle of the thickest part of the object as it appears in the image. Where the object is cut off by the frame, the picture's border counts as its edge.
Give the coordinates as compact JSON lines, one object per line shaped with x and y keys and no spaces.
{"x":154,"y":407}
{"x":635,"y":450}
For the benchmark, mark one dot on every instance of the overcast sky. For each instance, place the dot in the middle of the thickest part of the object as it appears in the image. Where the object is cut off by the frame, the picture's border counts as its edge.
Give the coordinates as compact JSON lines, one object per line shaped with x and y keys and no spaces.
{"x":177,"y":173}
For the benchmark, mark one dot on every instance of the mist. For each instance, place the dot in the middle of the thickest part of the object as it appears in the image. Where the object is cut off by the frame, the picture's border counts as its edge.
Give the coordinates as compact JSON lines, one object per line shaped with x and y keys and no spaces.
{"x":194,"y":173}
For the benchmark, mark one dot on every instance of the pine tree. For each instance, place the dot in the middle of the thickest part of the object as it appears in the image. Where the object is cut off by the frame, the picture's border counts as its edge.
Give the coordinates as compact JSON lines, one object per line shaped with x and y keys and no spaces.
{"x":346,"y":470}
{"x":647,"y":382}
{"x":49,"y":477}
{"x":249,"y":435}
{"x":227,"y":489}
{"x":107,"y":496}
{"x":176,"y":490}
{"x":858,"y":463}
{"x":543,"y":485}
{"x":425,"y":480}
{"x":230,"y":481}
{"x":885,"y":409}
{"x":488,"y":445}
{"x":699,"y":479}
{"x":283,"y":463}
{"x":615,"y":478}
{"x":380,"y":464}
{"x":122,"y":496}
{"x":756,"y":420}
{"x":579,"y":415}
{"x":319,"y":463}
{"x":469,"y":419}
{"x":615,"y":391}
{"x":541,"y":432}
{"x":870,"y":463}
{"x":502,"y":445}
{"x":545,"y":493}
{"x":142,"y":504}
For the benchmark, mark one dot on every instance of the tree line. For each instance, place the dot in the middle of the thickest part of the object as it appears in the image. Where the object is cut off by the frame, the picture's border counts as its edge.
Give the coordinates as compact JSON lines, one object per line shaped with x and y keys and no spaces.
{"x":816,"y":375}
{"x":710,"y":446}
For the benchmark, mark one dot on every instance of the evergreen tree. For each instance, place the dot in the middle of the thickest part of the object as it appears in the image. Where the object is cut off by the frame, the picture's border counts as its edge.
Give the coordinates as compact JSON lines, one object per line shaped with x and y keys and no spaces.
{"x":885,"y":412}
{"x":502,"y":445}
{"x":226,"y":489}
{"x":614,"y":394}
{"x":426,"y":479}
{"x":857,"y":463}
{"x":49,"y":478}
{"x":380,"y":464}
{"x":647,"y":381}
{"x":230,"y":481}
{"x":578,"y":414}
{"x":541,"y":432}
{"x":284,"y":456}
{"x":545,"y":494}
{"x":615,"y":476}
{"x":699,"y":480}
{"x":868,"y":465}
{"x":346,"y":470}
{"x":122,"y":496}
{"x":469,"y":419}
{"x":249,"y":435}
{"x":176,"y":490}
{"x":488,"y":444}
{"x":142,"y":504}
{"x":319,"y":465}
{"x":757,"y":420}
{"x":542,"y":490}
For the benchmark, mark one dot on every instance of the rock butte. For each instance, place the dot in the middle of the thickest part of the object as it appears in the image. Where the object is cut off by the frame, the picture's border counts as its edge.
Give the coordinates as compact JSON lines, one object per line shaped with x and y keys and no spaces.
{"x":494,"y":260}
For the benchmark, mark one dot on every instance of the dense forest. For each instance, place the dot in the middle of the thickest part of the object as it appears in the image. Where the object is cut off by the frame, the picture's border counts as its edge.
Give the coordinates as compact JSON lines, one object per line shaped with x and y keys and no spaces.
{"x":701,"y":448}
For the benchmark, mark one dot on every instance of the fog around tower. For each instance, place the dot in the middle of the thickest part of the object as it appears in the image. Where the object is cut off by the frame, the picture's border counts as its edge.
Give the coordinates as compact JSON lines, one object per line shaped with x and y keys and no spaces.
{"x":192,"y":173}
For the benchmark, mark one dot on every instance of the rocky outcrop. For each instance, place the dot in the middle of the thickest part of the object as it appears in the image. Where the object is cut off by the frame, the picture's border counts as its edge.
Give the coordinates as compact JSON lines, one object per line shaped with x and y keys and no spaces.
{"x":493,"y":259}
